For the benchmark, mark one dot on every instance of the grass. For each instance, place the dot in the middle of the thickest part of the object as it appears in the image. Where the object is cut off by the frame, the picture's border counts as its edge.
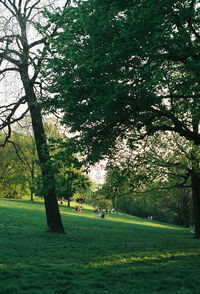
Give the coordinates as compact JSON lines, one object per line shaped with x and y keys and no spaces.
{"x":119,"y":254}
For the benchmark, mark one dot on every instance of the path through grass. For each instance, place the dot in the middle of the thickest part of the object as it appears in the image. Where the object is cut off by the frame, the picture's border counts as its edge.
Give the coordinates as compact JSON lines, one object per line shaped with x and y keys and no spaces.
{"x":119,"y":254}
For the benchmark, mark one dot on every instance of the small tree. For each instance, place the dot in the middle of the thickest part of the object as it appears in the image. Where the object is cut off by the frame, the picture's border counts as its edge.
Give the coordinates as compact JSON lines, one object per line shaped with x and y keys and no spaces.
{"x":69,"y":173}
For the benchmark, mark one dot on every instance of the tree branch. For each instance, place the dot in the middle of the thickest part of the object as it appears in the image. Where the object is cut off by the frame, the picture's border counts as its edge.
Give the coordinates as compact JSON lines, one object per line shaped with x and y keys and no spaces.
{"x":9,"y":118}
{"x":180,"y":96}
{"x":9,"y":38}
{"x":192,"y":4}
{"x":44,"y":51}
{"x":38,"y":42}
{"x":9,"y":69}
{"x":3,"y":55}
{"x":67,"y":3}
{"x":16,"y":150}
{"x":179,"y":127}
{"x":8,"y":123}
{"x":7,"y":6}
{"x":193,"y":29}
{"x":31,"y":8}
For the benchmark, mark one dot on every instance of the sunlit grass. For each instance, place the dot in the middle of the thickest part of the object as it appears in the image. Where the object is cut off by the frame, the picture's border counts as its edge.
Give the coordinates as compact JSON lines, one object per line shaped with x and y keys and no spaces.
{"x":86,"y":212}
{"x":128,"y":259}
{"x":143,"y":222}
{"x":119,"y":254}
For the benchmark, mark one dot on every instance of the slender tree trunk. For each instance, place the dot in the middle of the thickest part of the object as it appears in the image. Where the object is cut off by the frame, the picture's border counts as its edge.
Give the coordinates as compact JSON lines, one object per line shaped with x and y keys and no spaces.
{"x":196,"y":201}
{"x":54,"y":221}
{"x":32,"y":197}
{"x":185,"y":209}
{"x":32,"y":179}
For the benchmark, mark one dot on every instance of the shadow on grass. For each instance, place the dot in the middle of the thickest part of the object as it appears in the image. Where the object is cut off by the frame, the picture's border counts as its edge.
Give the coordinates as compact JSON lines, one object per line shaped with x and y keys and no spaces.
{"x":121,"y":274}
{"x":116,"y":255}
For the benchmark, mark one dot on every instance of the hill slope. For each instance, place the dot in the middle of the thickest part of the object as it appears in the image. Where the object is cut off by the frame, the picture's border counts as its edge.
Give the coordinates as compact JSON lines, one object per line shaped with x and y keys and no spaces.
{"x":119,"y":254}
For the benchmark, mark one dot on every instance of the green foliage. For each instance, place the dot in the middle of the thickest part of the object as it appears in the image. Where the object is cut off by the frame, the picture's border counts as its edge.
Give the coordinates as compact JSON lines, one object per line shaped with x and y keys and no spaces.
{"x":95,"y":256}
{"x":18,"y":166}
{"x":171,"y":206}
{"x":69,"y":174}
{"x":20,"y":173}
{"x":119,"y":69}
{"x":152,"y":177}
{"x":99,"y":200}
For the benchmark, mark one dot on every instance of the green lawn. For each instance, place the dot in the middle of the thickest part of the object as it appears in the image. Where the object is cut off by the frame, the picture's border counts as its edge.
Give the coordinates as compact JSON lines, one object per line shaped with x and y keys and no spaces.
{"x":118,"y":255}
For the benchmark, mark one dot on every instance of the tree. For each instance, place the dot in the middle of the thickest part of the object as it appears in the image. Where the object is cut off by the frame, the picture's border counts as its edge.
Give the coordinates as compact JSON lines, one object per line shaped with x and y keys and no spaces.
{"x":164,"y":157}
{"x":19,"y":165}
{"x":129,"y":69}
{"x":152,"y":177}
{"x":116,"y":184}
{"x":70,"y":182}
{"x":69,"y":172}
{"x":22,"y":51}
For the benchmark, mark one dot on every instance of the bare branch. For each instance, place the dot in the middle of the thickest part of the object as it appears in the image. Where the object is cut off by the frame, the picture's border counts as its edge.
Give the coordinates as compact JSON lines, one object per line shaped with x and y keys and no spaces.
{"x":22,"y":100}
{"x":6,"y":169}
{"x":14,"y":120}
{"x":31,"y":8}
{"x":38,"y":42}
{"x":25,"y":5}
{"x":9,"y":38}
{"x":8,"y":134}
{"x":67,"y":3}
{"x":9,"y":119}
{"x":16,"y":150}
{"x":8,"y":7}
{"x":4,"y":55}
{"x":7,"y":69}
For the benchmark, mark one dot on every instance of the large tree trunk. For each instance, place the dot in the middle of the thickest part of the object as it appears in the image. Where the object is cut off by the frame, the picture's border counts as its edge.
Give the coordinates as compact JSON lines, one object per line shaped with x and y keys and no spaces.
{"x":54,"y":221}
{"x":196,"y":200}
{"x":195,"y":176}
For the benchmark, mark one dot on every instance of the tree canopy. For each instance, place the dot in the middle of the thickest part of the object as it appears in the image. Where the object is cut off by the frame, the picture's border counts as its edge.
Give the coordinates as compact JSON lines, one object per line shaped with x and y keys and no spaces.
{"x":122,"y":67}
{"x":128,"y":69}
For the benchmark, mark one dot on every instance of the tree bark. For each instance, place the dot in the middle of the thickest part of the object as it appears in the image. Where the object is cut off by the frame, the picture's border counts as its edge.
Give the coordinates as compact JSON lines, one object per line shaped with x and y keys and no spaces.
{"x":32,"y":197}
{"x":54,"y":221}
{"x":196,"y":200}
{"x":195,"y":175}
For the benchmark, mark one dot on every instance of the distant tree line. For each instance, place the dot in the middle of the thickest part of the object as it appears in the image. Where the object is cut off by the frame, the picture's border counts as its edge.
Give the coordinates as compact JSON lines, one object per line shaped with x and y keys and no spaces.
{"x":20,"y":175}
